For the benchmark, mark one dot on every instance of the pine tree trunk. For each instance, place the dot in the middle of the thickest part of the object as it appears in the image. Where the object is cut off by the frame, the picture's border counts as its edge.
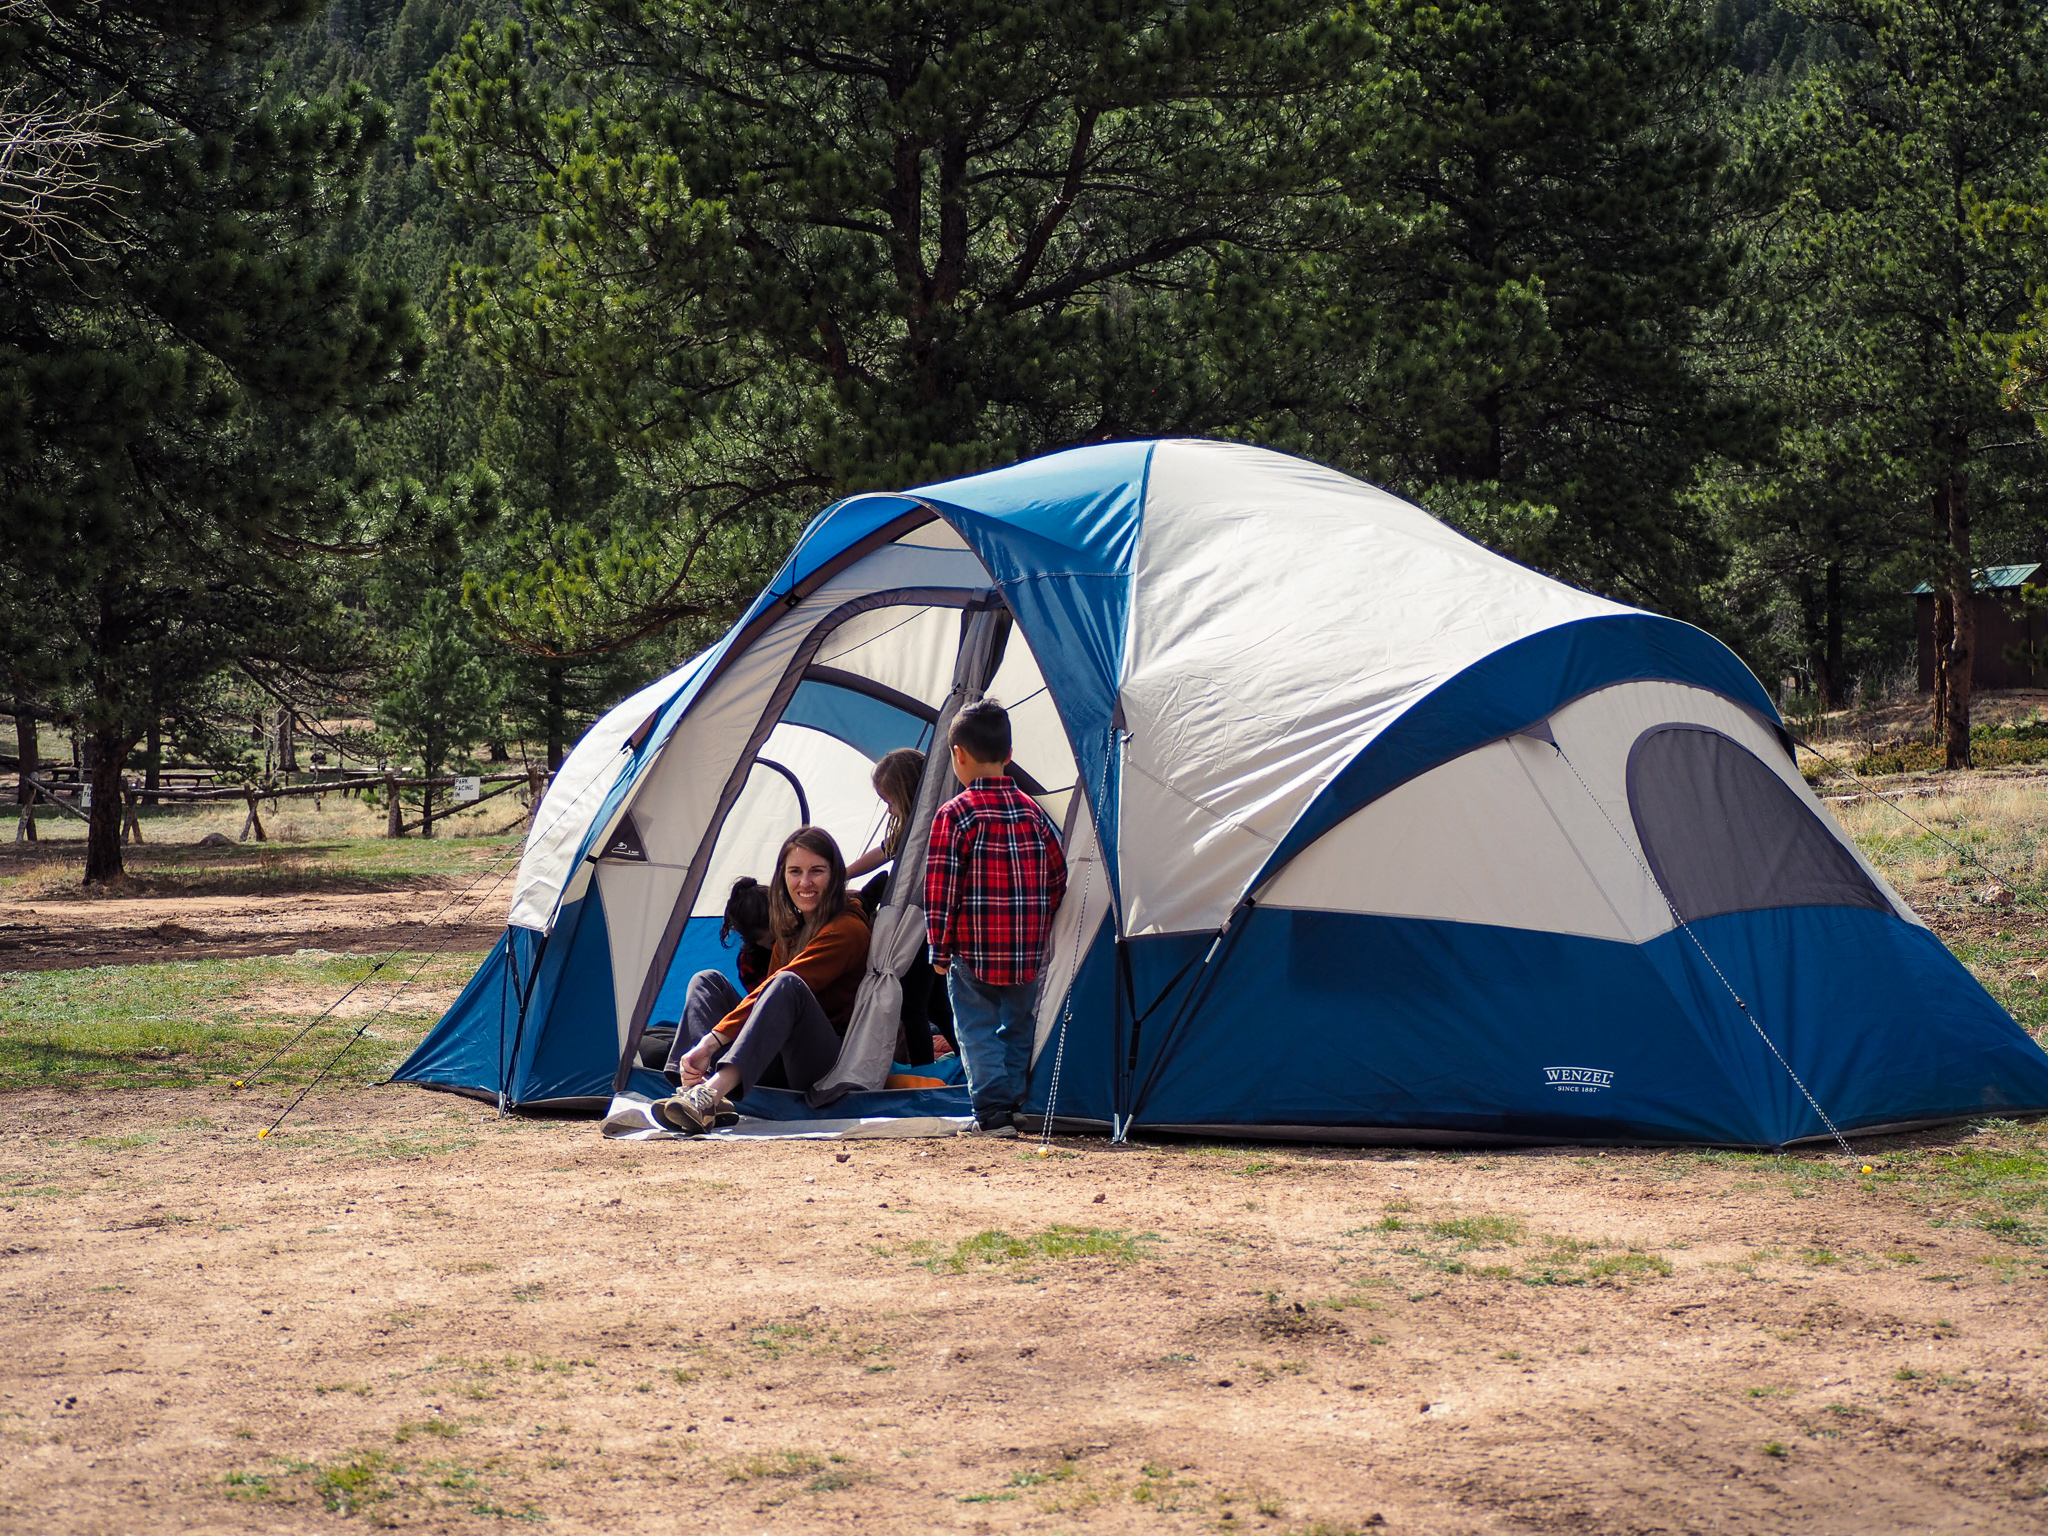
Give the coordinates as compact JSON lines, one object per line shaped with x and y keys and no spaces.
{"x":1944,"y":632}
{"x":557,"y":722}
{"x":28,"y":748}
{"x":1952,"y":512}
{"x":1834,"y":673}
{"x":110,"y":749}
{"x":430,"y":765}
{"x":153,"y":748}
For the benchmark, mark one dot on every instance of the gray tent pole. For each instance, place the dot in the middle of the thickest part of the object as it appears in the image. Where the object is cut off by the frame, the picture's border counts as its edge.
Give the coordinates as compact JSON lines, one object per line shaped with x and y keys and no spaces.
{"x":870,"y":1045}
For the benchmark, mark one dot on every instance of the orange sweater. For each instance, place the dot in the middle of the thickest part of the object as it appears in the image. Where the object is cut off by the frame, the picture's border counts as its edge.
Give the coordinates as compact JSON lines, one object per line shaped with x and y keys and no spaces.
{"x":831,"y":965}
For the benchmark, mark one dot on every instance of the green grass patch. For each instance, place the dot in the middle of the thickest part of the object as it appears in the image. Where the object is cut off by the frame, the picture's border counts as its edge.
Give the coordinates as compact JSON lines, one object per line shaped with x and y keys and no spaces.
{"x":774,"y":1465}
{"x":441,"y":1429}
{"x":1993,"y":1177}
{"x":1059,"y":1242}
{"x":1470,"y":1232}
{"x":1633,"y":1265}
{"x":195,"y":1021}
{"x":373,"y":1483}
{"x":1575,"y":1261}
{"x":351,"y":1486}
{"x":774,"y":1340}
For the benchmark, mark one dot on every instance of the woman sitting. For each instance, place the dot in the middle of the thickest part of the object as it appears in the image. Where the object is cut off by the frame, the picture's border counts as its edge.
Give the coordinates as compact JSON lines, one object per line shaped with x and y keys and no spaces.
{"x":794,"y":1020}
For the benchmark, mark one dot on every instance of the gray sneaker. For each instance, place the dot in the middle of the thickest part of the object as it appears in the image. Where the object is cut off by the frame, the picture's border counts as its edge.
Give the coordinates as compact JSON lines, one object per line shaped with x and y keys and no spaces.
{"x":1002,"y":1130}
{"x":694,"y":1110}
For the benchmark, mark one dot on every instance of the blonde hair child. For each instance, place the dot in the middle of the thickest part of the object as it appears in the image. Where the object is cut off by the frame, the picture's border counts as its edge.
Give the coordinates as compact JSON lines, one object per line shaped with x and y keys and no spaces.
{"x":896,"y":779}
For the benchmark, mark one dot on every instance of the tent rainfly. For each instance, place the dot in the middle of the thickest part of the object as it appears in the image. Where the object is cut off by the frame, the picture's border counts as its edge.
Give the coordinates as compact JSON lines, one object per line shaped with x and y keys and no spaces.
{"x":1374,"y":835}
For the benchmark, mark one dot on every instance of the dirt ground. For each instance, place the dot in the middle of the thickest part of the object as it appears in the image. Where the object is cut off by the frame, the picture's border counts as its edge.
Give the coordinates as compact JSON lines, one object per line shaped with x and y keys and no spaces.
{"x":64,"y":934}
{"x":404,"y":1312}
{"x":243,"y":900}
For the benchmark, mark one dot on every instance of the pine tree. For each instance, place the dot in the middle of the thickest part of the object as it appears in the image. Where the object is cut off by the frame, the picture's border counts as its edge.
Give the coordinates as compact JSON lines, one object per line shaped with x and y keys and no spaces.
{"x":1909,"y":288}
{"x":1540,"y":192}
{"x":567,"y":580}
{"x":782,"y":251}
{"x":574,"y":583}
{"x":440,"y":699}
{"x":168,"y":387}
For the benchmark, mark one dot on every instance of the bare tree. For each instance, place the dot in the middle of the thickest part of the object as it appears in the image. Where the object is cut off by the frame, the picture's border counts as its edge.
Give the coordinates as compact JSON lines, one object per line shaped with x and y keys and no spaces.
{"x":53,"y":177}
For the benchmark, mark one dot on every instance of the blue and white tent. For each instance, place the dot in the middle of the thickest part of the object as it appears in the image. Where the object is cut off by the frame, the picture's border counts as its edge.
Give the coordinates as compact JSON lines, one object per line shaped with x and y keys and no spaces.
{"x":1374,"y":834}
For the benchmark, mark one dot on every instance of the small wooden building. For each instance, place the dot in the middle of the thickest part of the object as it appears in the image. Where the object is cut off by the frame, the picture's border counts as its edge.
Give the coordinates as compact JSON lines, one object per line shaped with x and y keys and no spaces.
{"x":2008,"y":632}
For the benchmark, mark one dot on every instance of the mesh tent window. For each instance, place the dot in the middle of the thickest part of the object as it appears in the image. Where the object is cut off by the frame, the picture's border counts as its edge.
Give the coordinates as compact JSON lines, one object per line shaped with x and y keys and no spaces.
{"x":1723,"y":833}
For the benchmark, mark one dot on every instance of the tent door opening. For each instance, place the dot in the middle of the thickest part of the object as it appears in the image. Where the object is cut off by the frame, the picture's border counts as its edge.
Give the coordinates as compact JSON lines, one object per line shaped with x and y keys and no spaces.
{"x":880,"y":672}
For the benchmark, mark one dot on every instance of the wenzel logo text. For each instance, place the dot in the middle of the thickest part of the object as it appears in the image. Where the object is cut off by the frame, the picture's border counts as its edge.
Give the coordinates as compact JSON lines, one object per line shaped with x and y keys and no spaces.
{"x":1578,"y":1079}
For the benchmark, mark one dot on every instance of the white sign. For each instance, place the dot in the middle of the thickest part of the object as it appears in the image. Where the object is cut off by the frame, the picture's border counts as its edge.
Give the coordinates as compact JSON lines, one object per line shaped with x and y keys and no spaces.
{"x":85,"y":797}
{"x":468,"y":788}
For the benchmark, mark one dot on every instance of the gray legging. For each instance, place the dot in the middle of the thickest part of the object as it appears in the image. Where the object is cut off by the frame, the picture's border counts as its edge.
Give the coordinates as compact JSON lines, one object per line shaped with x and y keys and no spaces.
{"x":785,"y":1024}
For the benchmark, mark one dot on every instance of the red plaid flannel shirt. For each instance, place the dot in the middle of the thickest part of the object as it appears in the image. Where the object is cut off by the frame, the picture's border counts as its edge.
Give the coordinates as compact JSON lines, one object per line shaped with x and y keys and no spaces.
{"x":993,"y":878}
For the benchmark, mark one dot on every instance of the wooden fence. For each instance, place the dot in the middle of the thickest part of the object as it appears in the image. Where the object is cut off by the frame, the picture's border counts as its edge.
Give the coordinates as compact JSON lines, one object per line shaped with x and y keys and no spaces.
{"x":252,"y":795}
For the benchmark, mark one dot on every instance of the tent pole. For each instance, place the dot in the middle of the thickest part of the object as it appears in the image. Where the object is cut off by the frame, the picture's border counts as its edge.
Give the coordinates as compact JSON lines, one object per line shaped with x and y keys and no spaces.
{"x":508,"y":979}
{"x":1190,"y":1001}
{"x":519,"y":1030}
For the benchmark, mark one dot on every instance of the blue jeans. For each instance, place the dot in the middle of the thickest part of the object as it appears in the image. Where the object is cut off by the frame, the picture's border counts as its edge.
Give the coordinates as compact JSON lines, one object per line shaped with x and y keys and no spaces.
{"x":993,"y":1027}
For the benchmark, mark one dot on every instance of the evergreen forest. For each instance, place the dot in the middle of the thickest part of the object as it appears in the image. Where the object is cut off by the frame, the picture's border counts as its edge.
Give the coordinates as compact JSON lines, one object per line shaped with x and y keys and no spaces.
{"x":399,"y":383}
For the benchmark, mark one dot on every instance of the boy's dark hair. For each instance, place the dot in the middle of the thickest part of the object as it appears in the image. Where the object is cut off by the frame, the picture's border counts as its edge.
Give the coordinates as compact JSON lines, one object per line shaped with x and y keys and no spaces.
{"x":982,"y":730}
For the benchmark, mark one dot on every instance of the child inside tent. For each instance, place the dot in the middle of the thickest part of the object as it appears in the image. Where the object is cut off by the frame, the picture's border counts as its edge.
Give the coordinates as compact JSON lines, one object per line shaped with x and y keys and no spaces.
{"x":896,"y":779}
{"x":746,"y":914}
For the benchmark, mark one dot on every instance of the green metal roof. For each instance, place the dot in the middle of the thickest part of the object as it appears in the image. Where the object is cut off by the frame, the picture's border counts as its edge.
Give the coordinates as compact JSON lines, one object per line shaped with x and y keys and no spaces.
{"x":1993,"y":578}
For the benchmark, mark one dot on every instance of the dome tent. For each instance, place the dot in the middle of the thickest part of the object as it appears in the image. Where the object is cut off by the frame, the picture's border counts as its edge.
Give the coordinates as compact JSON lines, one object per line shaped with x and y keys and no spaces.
{"x":1373,"y":834}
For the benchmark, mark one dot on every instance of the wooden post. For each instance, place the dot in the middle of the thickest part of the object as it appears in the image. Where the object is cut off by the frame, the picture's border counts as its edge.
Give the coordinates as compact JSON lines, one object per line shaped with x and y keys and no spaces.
{"x":534,"y":788}
{"x":394,"y":820}
{"x":25,"y":828}
{"x":131,"y":822}
{"x":153,"y":747}
{"x":254,"y":823}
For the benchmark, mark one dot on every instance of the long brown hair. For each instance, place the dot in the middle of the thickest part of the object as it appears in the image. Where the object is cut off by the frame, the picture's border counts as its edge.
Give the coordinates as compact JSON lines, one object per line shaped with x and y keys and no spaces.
{"x":792,"y":931}
{"x":896,"y":779}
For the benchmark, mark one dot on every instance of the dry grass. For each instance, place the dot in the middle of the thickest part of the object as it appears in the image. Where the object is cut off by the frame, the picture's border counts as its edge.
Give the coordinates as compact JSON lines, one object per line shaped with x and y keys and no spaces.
{"x":1994,"y":834}
{"x":1997,"y":827}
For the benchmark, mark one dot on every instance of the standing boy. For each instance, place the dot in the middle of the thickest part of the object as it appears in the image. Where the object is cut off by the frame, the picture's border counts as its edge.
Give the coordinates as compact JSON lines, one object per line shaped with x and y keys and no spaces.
{"x":993,"y":878}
